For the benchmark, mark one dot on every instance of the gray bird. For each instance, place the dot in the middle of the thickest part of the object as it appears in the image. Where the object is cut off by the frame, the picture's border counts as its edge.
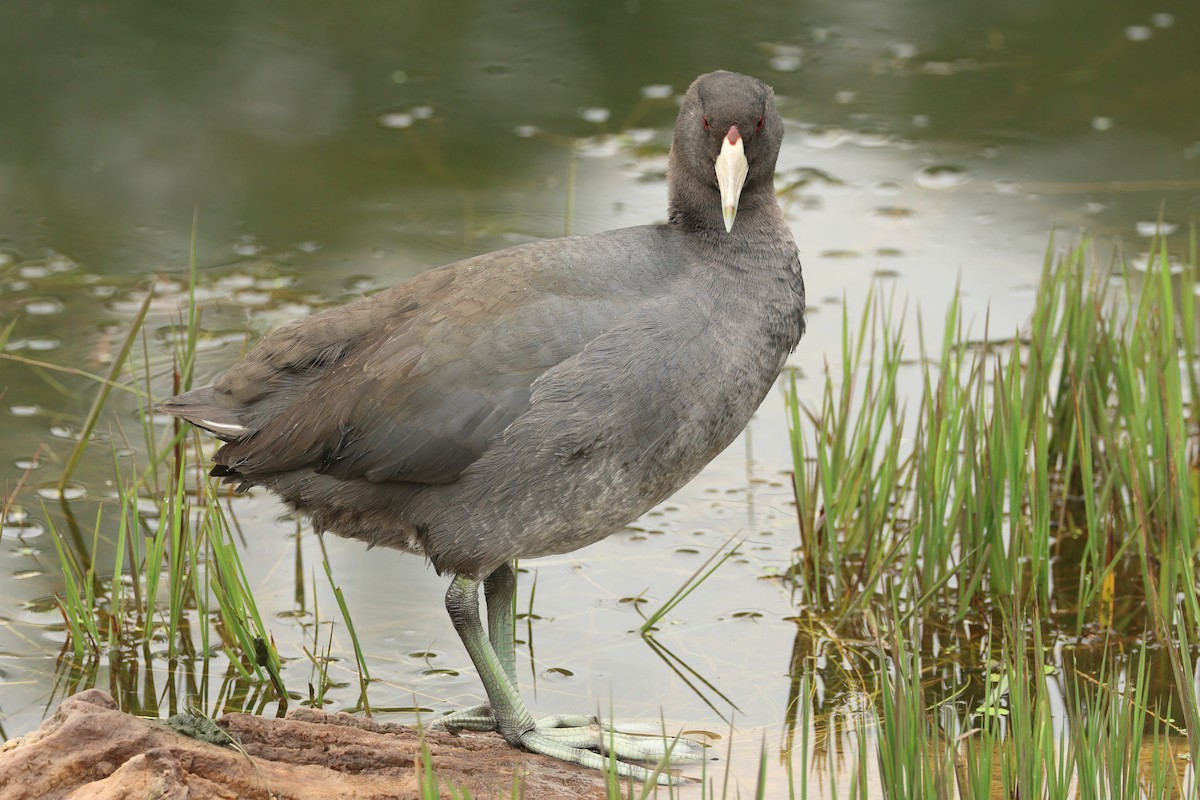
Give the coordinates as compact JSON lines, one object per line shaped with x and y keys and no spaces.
{"x":534,"y":400}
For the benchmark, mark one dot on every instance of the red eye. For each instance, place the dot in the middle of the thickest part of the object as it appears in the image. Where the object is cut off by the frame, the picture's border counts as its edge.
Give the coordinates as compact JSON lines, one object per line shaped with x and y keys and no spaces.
{"x":761,"y":120}
{"x":706,"y":123}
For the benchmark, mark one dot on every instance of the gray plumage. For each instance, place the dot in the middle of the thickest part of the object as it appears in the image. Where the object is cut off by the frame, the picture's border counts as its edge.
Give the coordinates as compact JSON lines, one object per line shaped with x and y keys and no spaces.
{"x":533,"y":400}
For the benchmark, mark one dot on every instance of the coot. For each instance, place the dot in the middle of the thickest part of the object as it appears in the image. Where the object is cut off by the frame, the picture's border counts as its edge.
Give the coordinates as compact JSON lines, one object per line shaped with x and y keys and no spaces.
{"x":533,"y":400}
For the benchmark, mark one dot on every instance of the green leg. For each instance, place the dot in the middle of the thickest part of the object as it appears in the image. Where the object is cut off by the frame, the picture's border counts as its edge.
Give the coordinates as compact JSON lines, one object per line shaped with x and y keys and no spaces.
{"x":512,"y":718}
{"x":499,"y":589}
{"x":567,"y":738}
{"x":499,"y":592}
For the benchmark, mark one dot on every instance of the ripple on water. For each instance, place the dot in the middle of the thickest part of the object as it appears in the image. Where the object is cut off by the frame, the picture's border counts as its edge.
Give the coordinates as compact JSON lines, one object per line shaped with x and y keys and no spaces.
{"x":873,"y":139}
{"x":61,"y":263}
{"x":786,"y":57}
{"x":808,"y":178}
{"x":748,"y":614}
{"x":825,"y":138}
{"x":34,"y":270}
{"x":892,"y":216}
{"x":16,"y":514}
{"x":43,"y":306}
{"x":71,"y":491}
{"x":360,"y":283}
{"x":23,"y":530}
{"x":395,"y":120}
{"x":558,"y":674}
{"x":247,"y":245}
{"x":39,"y":344}
{"x":425,"y":655}
{"x":594,"y":114}
{"x":131,"y":303}
{"x":52,"y":264}
{"x":638,"y":137}
{"x":206,"y":340}
{"x":41,"y":606}
{"x":54,"y":633}
{"x":1142,"y":261}
{"x":251,"y":297}
{"x":630,"y":603}
{"x":167,"y":286}
{"x":598,"y":146}
{"x":1154,"y":227}
{"x":445,"y":672}
{"x":941,"y":176}
{"x":70,"y":434}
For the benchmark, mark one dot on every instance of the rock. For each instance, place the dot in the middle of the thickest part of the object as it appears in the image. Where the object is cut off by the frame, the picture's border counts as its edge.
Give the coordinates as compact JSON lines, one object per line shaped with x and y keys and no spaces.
{"x":90,"y":749}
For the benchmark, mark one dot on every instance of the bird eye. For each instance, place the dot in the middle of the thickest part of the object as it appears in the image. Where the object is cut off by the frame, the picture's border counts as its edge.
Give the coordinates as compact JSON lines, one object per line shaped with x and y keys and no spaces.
{"x":706,"y":123}
{"x":761,"y":120}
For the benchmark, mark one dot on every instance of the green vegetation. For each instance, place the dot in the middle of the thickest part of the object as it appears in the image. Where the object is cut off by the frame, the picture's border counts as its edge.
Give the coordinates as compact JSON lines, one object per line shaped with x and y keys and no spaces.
{"x":1042,"y":483}
{"x":175,"y":565}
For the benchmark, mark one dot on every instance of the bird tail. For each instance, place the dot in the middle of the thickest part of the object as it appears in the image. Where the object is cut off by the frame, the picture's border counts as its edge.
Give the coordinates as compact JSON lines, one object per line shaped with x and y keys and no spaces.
{"x":201,"y":408}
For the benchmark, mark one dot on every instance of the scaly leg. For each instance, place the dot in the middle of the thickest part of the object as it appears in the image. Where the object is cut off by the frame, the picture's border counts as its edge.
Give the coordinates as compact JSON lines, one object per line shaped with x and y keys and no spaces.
{"x":499,"y":590}
{"x":508,"y":714}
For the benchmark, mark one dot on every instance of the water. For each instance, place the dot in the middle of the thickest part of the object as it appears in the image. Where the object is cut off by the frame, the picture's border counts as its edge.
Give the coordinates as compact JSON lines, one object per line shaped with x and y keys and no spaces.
{"x":324,"y":152}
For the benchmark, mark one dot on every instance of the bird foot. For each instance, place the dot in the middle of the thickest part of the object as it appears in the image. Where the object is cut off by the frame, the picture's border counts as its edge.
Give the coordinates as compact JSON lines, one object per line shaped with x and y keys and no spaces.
{"x":582,"y":739}
{"x":476,"y":718}
{"x":585,"y":741}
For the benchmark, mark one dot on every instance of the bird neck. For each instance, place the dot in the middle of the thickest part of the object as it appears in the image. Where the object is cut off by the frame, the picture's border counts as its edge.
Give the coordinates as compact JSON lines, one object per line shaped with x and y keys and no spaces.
{"x":699,"y":209}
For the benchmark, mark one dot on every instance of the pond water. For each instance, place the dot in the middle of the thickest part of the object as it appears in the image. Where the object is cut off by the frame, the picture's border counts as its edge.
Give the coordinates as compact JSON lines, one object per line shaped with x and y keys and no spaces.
{"x":329,"y":150}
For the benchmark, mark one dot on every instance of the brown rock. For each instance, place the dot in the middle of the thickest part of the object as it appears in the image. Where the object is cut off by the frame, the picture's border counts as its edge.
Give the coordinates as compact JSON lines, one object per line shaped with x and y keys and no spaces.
{"x":90,"y":749}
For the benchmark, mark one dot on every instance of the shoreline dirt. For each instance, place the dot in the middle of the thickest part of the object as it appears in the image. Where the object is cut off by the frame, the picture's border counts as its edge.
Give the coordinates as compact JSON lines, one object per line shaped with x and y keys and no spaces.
{"x":89,"y":748}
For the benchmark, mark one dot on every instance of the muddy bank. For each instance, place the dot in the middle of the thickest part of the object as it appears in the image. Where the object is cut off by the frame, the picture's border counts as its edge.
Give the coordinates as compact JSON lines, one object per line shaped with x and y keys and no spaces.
{"x":89,"y":748}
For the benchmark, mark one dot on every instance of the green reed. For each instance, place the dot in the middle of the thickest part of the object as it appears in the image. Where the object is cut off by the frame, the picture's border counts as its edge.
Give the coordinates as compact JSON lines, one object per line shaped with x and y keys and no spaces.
{"x":175,"y":565}
{"x":1081,"y":426}
{"x":1080,"y":431}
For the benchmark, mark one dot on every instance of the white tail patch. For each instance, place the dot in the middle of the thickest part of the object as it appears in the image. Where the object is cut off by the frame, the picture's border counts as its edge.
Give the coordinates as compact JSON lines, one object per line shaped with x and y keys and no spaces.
{"x":221,"y":427}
